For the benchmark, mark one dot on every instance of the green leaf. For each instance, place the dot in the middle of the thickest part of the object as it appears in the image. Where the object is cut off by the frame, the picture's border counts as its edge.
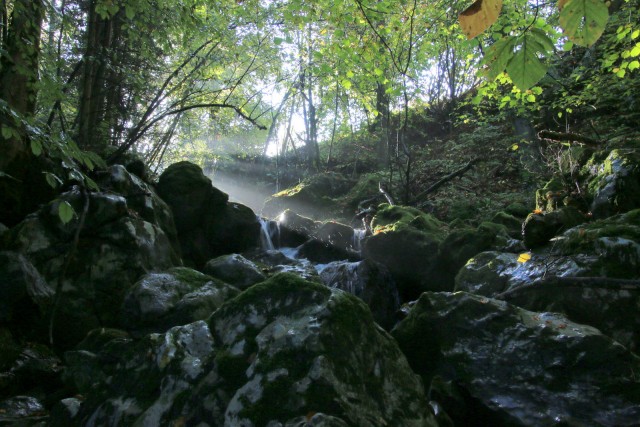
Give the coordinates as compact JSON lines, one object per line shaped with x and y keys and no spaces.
{"x":543,"y":39}
{"x":567,"y":46}
{"x":346,"y":83}
{"x":129,"y":11}
{"x":7,"y":132}
{"x":583,"y":21}
{"x":498,"y":56}
{"x":634,"y":65}
{"x":65,"y":212}
{"x":525,"y":69}
{"x":52,"y":180}
{"x":36,"y":147}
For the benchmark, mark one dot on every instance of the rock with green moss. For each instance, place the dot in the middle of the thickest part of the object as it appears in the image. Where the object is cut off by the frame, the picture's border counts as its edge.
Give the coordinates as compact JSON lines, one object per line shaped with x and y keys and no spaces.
{"x":614,"y":183}
{"x":295,"y":229}
{"x":551,"y":196}
{"x":114,"y":248}
{"x":513,"y":225}
{"x":313,"y":197}
{"x":517,"y":209}
{"x":208,"y":224}
{"x":369,"y":281}
{"x":281,"y":351}
{"x":518,"y":367}
{"x":142,"y":198}
{"x":462,"y":244}
{"x":178,"y":296}
{"x":406,"y":241}
{"x":539,"y":228}
{"x":598,"y":251}
{"x":235,"y":270}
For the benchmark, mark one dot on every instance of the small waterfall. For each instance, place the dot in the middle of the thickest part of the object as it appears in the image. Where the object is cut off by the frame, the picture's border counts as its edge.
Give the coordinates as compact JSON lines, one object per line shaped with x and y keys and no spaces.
{"x":269,"y":233}
{"x":358,"y":235}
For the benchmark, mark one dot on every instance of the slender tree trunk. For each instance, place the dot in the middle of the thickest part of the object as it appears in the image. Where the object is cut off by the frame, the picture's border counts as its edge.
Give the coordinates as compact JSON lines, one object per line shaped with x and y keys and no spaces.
{"x":18,"y":88}
{"x":91,"y":112}
{"x":382,"y":123}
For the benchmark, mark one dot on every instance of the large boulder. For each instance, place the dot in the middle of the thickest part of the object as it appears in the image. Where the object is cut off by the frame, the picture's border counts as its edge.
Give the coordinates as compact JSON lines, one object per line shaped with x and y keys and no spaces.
{"x":295,"y":229}
{"x":283,"y":352}
{"x":539,"y":228}
{"x":235,"y":270}
{"x":369,"y":281}
{"x":585,"y":275}
{"x":25,"y":297}
{"x":178,"y":296}
{"x":492,"y":363}
{"x":113,"y":249}
{"x":406,"y":241}
{"x":142,"y":198}
{"x":208,"y":224}
{"x":614,"y":182}
{"x":313,"y":197}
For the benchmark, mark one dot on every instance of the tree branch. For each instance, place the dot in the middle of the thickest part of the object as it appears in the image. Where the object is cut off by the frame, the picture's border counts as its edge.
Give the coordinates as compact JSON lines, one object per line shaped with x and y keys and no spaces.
{"x":572,"y":137}
{"x":447,"y":178}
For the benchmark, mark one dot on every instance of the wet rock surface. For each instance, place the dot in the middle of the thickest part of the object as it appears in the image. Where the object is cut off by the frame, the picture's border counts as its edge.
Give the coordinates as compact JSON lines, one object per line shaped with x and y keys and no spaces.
{"x":278,"y":353}
{"x":113,"y":249}
{"x":178,"y":296}
{"x":508,"y":366}
{"x":369,"y":281}
{"x":235,"y":270}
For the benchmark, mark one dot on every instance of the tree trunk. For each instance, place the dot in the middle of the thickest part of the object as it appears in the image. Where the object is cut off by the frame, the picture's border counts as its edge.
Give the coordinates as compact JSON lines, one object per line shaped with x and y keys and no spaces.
{"x":382,"y":123}
{"x":92,"y":109}
{"x":18,"y":88}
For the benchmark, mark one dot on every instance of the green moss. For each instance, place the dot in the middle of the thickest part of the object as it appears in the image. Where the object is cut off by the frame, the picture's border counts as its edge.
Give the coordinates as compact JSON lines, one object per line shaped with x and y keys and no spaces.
{"x":390,"y":218}
{"x":189,"y":276}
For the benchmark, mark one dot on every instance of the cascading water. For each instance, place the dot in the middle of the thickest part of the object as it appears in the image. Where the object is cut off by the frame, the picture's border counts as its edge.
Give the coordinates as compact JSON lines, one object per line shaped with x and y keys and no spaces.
{"x":269,"y":233}
{"x":358,"y":236}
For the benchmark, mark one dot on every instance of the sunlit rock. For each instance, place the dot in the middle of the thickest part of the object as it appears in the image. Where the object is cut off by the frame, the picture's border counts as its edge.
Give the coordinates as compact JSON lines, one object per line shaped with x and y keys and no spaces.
{"x":493,"y":363}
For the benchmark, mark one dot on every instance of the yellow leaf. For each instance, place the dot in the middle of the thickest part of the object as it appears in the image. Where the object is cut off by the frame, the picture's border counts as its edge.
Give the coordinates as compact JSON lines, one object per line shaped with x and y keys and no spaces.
{"x":479,"y":16}
{"x":524,"y":257}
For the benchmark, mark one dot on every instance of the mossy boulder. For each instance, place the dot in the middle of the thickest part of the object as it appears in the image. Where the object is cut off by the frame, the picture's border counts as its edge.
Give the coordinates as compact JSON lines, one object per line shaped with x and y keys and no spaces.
{"x":337,"y":235}
{"x":517,"y":367}
{"x":115,"y":247}
{"x":512,"y":224}
{"x":614,"y":183}
{"x":280,"y":351}
{"x":539,"y":228}
{"x":208,"y":225}
{"x":159,"y":301}
{"x":235,"y":270}
{"x":592,"y":253}
{"x":462,"y":244}
{"x":313,"y":197}
{"x":551,"y":196}
{"x":295,"y":229}
{"x":406,"y":241}
{"x":142,"y":198}
{"x":369,"y":281}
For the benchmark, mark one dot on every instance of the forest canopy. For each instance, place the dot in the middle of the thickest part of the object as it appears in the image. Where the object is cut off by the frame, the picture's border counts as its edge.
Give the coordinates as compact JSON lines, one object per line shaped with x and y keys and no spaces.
{"x":87,"y":80}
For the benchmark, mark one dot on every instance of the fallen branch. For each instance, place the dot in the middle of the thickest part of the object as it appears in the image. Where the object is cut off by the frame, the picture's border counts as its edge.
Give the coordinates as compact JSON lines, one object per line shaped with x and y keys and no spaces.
{"x":571,"y":137}
{"x":574,"y":282}
{"x":447,"y":178}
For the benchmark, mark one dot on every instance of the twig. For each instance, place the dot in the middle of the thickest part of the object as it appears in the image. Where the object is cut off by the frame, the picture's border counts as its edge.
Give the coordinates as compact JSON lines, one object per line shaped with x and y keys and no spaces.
{"x":571,"y":137}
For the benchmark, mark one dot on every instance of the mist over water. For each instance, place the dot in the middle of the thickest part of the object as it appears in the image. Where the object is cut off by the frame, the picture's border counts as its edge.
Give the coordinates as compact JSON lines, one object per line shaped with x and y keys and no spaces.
{"x":241,"y":191}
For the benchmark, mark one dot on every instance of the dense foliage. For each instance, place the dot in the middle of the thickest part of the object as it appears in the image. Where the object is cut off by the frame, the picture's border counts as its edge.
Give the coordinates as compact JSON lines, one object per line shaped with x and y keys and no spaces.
{"x":294,"y":78}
